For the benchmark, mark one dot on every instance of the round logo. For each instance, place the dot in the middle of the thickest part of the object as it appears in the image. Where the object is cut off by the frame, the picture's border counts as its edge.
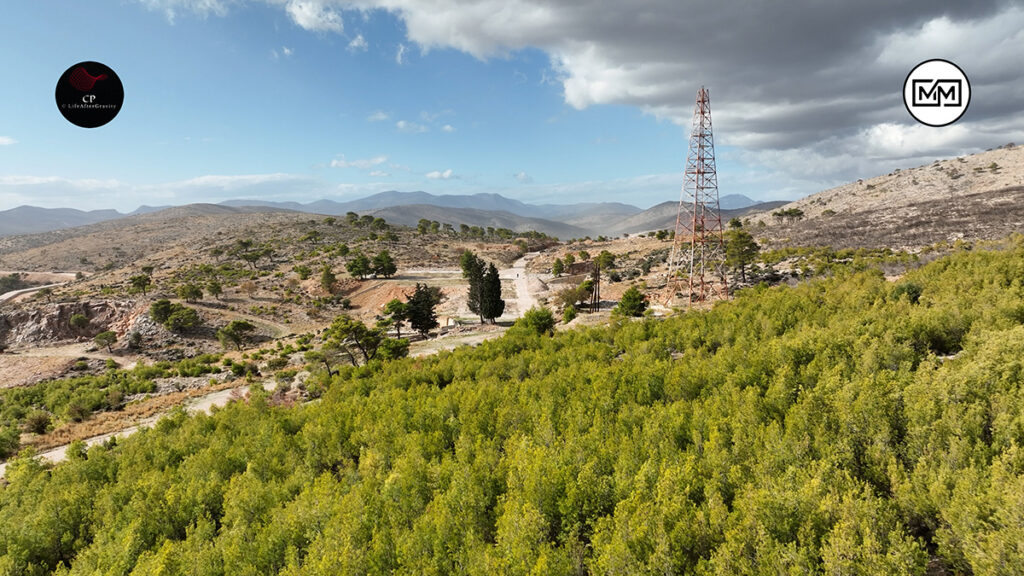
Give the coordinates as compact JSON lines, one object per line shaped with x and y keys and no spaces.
{"x":936,"y":92}
{"x":89,"y":94}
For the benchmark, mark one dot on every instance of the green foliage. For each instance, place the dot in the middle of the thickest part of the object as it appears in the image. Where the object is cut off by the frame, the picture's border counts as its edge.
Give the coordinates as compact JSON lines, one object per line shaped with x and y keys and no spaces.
{"x":605,"y":260}
{"x":558,"y":267}
{"x":740,"y":249}
{"x":491,"y":304}
{"x":355,"y":337}
{"x":568,"y":314}
{"x":303,"y":271}
{"x":912,"y":291}
{"x":538,"y":320}
{"x":234,"y":333}
{"x":38,"y":421}
{"x":78,"y":321}
{"x":141,"y":282}
{"x":190,"y":292}
{"x":105,"y":339}
{"x":396,"y":313}
{"x":9,"y":441}
{"x":473,"y":269}
{"x":182,"y":319}
{"x":359,"y":266}
{"x":792,"y":214}
{"x":806,"y":430}
{"x":384,"y":265}
{"x":393,"y":349}
{"x":328,"y":280}
{"x":160,"y":310}
{"x":633,"y":303}
{"x":214,"y":288}
{"x":421,"y":313}
{"x":12,"y":282}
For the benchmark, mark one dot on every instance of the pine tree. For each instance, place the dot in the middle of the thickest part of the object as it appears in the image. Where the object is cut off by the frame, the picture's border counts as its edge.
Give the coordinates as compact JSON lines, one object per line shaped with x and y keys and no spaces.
{"x":384,"y":264}
{"x":633,"y":303}
{"x":491,"y":304}
{"x":740,"y":248}
{"x":141,"y":282}
{"x":421,"y":314}
{"x":359,"y":266}
{"x":397,"y":313}
{"x":558,"y":267}
{"x":328,"y":280}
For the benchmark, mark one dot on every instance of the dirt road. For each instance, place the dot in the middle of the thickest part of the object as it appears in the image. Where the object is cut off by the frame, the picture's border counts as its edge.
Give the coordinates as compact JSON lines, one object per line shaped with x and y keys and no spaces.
{"x":194,"y":405}
{"x":520,"y":278}
{"x":51,"y":277}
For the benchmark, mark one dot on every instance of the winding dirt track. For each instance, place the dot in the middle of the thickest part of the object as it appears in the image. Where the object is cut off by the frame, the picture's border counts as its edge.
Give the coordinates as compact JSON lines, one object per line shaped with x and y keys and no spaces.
{"x":524,"y":300}
{"x":194,"y":405}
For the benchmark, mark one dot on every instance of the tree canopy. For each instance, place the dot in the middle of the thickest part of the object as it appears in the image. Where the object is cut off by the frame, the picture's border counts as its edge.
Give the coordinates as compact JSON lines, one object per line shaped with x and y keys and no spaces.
{"x":848,"y":425}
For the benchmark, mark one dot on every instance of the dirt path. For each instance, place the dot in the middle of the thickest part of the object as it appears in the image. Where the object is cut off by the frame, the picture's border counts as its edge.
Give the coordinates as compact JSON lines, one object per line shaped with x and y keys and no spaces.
{"x":193,"y":405}
{"x":521,"y":280}
{"x":51,"y":277}
{"x":279,"y":330}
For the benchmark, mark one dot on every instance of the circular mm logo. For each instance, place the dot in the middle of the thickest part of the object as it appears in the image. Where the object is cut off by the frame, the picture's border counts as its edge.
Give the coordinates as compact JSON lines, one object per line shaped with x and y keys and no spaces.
{"x":936,"y":92}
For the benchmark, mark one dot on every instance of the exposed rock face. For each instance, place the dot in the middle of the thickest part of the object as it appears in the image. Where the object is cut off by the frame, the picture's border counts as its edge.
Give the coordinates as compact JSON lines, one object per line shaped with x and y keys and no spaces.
{"x":52,"y":322}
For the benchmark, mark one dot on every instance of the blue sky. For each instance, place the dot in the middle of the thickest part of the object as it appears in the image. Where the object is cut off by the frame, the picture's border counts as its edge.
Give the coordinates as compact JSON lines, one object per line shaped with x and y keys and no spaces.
{"x":308,"y":99}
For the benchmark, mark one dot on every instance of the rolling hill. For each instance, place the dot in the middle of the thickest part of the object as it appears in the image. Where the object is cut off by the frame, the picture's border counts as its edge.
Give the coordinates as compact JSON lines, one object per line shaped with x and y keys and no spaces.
{"x":409,"y":215}
{"x":663,"y":217}
{"x":978,"y":196}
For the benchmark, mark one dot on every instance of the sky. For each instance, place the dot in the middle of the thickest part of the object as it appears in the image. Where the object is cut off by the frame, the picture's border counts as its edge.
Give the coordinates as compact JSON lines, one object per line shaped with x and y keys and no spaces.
{"x":545,"y":102}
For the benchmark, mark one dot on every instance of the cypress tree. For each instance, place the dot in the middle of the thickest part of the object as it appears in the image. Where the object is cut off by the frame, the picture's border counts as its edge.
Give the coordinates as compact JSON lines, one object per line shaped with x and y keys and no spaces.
{"x":473,"y":270}
{"x":491,"y":304}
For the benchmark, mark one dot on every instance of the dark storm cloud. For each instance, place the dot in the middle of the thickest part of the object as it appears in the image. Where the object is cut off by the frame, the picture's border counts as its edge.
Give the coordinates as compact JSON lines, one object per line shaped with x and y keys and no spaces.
{"x":785,"y":76}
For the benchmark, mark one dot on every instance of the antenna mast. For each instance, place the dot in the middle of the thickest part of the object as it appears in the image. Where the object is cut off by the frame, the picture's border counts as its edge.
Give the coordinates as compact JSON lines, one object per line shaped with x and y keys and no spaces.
{"x":697,"y":262}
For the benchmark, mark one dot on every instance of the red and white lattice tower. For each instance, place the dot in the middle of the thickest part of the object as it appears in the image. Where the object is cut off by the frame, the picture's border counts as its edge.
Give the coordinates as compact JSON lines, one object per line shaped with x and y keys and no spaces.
{"x":696,"y":270}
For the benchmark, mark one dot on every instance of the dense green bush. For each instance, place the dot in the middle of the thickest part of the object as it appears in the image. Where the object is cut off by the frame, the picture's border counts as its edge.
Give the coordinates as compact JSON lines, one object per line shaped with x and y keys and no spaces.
{"x":821,"y":429}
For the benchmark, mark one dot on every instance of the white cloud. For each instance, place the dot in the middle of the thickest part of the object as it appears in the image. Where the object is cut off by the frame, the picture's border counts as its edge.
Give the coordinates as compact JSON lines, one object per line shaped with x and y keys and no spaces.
{"x":201,"y":8}
{"x":799,"y":78}
{"x":285,"y":51}
{"x":379,"y":174}
{"x":448,"y":128}
{"x":362,"y":164}
{"x":89,"y":194}
{"x":234,"y":182}
{"x":438,"y":175}
{"x":410,"y":127}
{"x":78,"y":184}
{"x":314,"y":15}
{"x":7,"y":141}
{"x":378,"y":116}
{"x":358,"y":44}
{"x":523,"y":178}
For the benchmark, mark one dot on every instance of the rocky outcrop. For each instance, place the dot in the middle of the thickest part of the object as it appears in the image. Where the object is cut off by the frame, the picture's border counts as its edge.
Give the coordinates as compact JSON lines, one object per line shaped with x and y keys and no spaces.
{"x":52,"y":322}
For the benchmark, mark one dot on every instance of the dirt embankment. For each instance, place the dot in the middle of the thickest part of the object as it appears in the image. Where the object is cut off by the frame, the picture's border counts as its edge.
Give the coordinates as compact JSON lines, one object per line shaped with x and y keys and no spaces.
{"x":51,"y":323}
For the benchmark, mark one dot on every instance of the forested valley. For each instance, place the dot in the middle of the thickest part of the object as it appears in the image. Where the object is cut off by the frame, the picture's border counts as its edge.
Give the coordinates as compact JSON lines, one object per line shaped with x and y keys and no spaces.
{"x":848,"y":425}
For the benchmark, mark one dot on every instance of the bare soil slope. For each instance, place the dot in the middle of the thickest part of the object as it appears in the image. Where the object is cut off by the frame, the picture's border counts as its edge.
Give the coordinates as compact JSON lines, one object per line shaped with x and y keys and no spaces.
{"x":971,"y":197}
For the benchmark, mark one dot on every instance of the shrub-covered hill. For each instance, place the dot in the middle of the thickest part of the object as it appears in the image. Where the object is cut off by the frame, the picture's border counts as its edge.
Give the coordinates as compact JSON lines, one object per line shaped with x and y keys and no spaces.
{"x":847,"y":426}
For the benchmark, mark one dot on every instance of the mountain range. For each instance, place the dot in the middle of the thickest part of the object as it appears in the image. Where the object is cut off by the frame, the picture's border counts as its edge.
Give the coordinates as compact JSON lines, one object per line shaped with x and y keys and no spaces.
{"x":407,"y":208}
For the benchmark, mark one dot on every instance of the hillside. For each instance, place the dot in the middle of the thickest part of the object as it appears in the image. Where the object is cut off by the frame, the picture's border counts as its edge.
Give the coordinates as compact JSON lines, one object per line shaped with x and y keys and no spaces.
{"x":127,"y":240}
{"x":31,"y":220}
{"x":848,"y":425}
{"x":663,"y":217}
{"x":411,"y":214}
{"x":972,"y":197}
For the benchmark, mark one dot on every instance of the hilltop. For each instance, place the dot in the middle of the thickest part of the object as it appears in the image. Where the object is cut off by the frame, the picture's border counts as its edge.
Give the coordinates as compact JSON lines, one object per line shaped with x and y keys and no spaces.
{"x":978,"y":196}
